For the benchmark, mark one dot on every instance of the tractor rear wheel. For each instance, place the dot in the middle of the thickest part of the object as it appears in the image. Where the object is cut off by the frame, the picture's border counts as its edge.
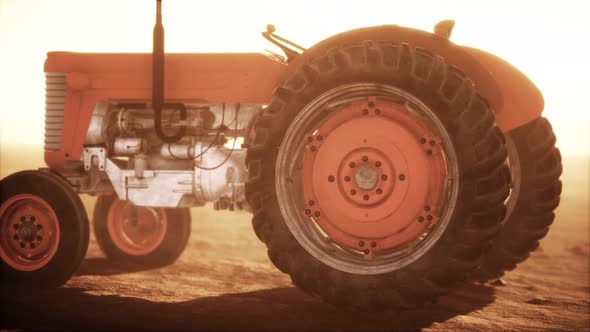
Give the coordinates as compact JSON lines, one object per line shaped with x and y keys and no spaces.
{"x":43,"y":230}
{"x":535,"y":167}
{"x":376,"y":176}
{"x":140,"y":236}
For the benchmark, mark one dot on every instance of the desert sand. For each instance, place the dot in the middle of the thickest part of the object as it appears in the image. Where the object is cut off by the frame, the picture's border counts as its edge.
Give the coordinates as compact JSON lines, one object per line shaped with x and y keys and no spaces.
{"x":224,"y":281}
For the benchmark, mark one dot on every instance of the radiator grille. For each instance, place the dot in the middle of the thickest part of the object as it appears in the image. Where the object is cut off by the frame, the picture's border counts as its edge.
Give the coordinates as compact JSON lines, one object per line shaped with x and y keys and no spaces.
{"x":55,"y":94}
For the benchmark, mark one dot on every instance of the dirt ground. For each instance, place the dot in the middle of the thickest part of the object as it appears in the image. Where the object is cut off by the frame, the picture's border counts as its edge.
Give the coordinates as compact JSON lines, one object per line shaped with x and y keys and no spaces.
{"x":224,"y":281}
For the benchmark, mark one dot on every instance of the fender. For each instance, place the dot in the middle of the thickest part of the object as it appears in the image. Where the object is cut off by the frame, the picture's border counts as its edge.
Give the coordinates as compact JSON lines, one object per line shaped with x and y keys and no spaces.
{"x":514,"y":99}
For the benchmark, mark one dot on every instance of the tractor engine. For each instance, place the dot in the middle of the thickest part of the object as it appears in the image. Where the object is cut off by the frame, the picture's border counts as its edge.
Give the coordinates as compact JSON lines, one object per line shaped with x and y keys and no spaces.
{"x":206,"y":165}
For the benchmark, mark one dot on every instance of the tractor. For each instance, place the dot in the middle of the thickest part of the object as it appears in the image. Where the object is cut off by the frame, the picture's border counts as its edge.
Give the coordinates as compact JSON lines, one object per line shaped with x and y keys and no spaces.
{"x":382,"y":166}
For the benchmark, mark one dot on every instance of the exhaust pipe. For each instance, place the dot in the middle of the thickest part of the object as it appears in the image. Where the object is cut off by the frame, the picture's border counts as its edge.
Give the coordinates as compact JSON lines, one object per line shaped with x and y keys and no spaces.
{"x":158,"y":82}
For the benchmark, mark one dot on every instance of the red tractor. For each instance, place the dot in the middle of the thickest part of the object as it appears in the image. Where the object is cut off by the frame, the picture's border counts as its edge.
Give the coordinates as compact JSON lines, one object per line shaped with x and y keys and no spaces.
{"x":382,"y":165}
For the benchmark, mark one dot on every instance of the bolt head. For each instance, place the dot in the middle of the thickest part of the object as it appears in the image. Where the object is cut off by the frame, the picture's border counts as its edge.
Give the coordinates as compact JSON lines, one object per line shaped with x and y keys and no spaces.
{"x":371,"y":104}
{"x":423,"y":140}
{"x":361,"y":244}
{"x":373,"y":244}
{"x":367,"y":251}
{"x":401,"y":177}
{"x":317,"y":213}
{"x":353,"y":192}
{"x":23,"y":219}
{"x":347,"y":178}
{"x":365,"y":158}
{"x":379,"y":191}
{"x":331,"y":178}
{"x":366,"y":197}
{"x":420,"y":219}
{"x":307,"y":211}
{"x":351,"y":164}
{"x":383,"y":177}
{"x":378,"y":164}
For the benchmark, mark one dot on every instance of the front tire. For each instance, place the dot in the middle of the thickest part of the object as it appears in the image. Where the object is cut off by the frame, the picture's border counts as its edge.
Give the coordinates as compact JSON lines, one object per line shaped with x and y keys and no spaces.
{"x":43,"y":230}
{"x":140,"y":236}
{"x":353,"y":268}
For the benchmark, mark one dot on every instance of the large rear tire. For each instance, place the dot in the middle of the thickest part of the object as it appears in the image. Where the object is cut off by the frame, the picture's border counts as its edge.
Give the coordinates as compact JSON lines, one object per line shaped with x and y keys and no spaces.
{"x":388,"y":83}
{"x":43,"y":230}
{"x":535,"y":165}
{"x":140,"y":236}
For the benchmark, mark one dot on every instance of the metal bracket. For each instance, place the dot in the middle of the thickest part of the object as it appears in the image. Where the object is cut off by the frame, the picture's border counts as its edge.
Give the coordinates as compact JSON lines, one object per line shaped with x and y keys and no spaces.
{"x":94,"y":157}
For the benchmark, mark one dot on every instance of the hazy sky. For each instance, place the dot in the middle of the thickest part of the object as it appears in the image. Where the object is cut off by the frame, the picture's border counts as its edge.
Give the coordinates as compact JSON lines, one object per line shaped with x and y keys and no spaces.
{"x":547,"y":40}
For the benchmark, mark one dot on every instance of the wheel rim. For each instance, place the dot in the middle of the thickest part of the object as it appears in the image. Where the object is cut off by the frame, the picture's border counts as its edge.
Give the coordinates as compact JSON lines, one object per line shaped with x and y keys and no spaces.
{"x":136,"y":230}
{"x":30,"y":232}
{"x":513,"y":162}
{"x":358,"y":199}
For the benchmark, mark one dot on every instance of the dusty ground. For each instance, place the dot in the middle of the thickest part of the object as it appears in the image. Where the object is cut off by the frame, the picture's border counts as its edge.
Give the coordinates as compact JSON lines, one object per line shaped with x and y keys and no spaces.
{"x":225,"y":281}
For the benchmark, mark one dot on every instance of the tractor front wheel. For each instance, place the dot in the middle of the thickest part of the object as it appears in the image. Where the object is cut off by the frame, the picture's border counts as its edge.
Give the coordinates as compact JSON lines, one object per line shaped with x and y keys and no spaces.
{"x":43,"y":230}
{"x":140,"y":236}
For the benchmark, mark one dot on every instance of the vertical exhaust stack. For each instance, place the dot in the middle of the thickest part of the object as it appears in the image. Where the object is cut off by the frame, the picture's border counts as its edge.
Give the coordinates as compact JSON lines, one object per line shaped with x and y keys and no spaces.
{"x":158,"y":82}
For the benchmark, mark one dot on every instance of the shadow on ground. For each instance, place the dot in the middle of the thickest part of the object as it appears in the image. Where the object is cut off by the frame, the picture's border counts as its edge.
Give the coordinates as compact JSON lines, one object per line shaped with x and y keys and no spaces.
{"x":285,"y":308}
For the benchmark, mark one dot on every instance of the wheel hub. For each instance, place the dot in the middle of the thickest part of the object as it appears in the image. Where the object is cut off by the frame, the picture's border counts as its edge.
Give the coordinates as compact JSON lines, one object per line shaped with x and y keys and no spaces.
{"x":373,"y":175}
{"x":29,"y":232}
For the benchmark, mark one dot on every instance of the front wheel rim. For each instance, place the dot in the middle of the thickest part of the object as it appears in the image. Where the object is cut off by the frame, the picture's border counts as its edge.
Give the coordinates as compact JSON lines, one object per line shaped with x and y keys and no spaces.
{"x":311,"y":159}
{"x":136,"y":230}
{"x":30,"y":232}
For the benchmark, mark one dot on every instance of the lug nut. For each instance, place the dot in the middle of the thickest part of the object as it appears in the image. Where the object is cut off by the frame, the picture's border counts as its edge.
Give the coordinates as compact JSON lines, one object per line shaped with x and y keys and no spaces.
{"x":39,"y":227}
{"x":402,"y":177}
{"x":423,"y":140}
{"x":367,"y":251}
{"x":320,"y":137}
{"x":377,"y":111}
{"x":351,"y":164}
{"x":379,"y":191}
{"x":15,"y":226}
{"x":313,"y":148}
{"x":373,"y":244}
{"x":429,"y":152}
{"x":307,"y":211}
{"x":365,"y":111}
{"x":331,"y":178}
{"x":347,"y":178}
{"x":378,"y":164}
{"x":427,"y":208}
{"x":365,"y":158}
{"x":371,"y":104}
{"x":311,"y":202}
{"x":420,"y":219}
{"x":317,"y":213}
{"x":32,"y":218}
{"x":353,"y":192}
{"x":22,"y":245}
{"x":39,"y":238}
{"x":361,"y":244}
{"x":32,"y":245}
{"x":429,"y":217}
{"x":310,"y":139}
{"x":432,"y":142}
{"x":366,"y":197}
{"x":383,"y":177}
{"x":23,"y":219}
{"x":15,"y":237}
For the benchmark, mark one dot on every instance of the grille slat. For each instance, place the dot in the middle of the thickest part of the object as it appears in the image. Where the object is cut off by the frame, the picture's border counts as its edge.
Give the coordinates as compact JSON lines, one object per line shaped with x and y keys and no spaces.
{"x":55,"y":91}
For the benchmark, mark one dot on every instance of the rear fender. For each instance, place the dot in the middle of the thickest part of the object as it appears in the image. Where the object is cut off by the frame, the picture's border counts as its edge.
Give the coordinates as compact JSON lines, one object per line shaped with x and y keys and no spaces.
{"x":514,"y":99}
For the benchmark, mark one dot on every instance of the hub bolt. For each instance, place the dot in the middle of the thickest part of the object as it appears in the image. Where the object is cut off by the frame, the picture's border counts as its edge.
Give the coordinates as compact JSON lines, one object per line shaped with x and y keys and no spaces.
{"x":379,"y":191}
{"x":429,"y":217}
{"x":365,"y":111}
{"x":432,"y":142}
{"x":39,"y":227}
{"x":39,"y":238}
{"x":307,"y":211}
{"x":317,"y":213}
{"x":378,"y":164}
{"x":15,"y":226}
{"x":353,"y":192}
{"x":32,"y":245}
{"x":367,"y":251}
{"x":347,"y":178}
{"x":373,"y":244}
{"x":32,"y":219}
{"x":351,"y":164}
{"x":371,"y":104}
{"x":429,"y":152}
{"x":383,"y":177}
{"x":23,"y":219}
{"x":311,"y":202}
{"x":423,"y":140}
{"x":420,"y":219}
{"x":310,"y":139}
{"x":313,"y":148}
{"x":22,"y":245}
{"x":320,"y":137}
{"x":377,"y":111}
{"x":361,"y":244}
{"x":331,"y":178}
{"x":365,"y":158}
{"x":402,"y":177}
{"x":366,"y":197}
{"x":427,"y":208}
{"x":15,"y":237}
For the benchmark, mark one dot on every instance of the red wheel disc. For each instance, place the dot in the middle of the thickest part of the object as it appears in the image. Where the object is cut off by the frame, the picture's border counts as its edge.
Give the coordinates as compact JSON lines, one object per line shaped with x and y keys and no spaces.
{"x":136,"y":231}
{"x":373,"y":176}
{"x":29,"y":232}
